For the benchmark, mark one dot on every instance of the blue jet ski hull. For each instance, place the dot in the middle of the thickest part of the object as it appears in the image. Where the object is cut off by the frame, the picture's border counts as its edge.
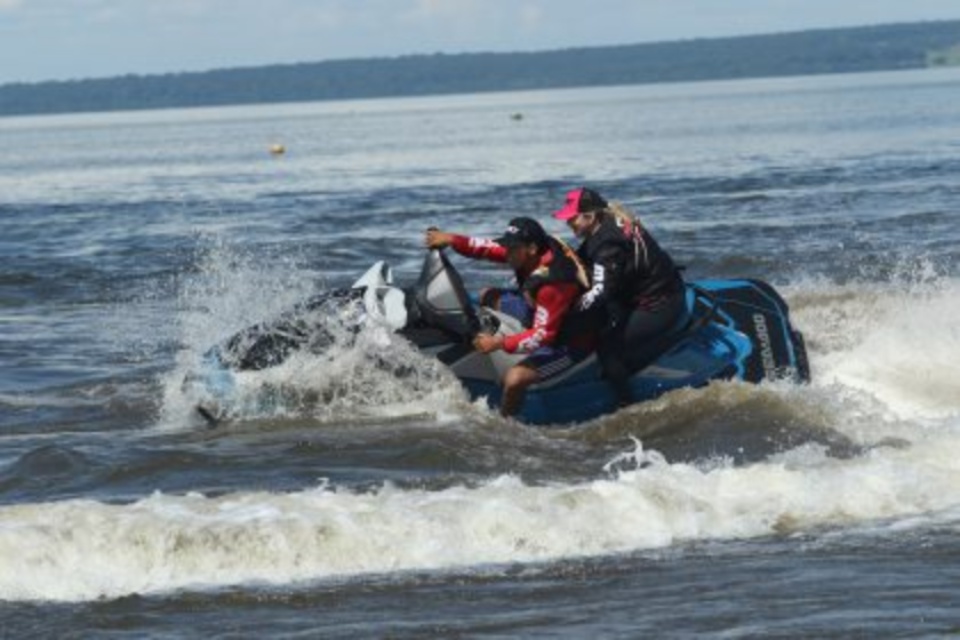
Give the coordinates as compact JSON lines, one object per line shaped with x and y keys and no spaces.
{"x":733,"y":330}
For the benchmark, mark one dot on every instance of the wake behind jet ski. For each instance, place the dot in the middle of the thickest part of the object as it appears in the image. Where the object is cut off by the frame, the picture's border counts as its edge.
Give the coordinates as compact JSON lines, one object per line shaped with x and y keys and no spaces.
{"x":730,"y":330}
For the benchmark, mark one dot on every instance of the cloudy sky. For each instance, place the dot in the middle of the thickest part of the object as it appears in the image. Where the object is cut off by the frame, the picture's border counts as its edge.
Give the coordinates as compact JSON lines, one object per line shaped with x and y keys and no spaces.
{"x":69,"y":39}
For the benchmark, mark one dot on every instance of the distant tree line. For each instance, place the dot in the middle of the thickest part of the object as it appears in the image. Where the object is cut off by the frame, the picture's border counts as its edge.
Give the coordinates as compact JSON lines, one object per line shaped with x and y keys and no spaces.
{"x":887,"y":47}
{"x":949,"y":57}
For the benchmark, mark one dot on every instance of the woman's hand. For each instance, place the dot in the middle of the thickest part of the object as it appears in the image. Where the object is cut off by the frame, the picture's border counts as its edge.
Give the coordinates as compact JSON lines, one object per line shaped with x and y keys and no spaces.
{"x":486,"y":343}
{"x":436,"y":239}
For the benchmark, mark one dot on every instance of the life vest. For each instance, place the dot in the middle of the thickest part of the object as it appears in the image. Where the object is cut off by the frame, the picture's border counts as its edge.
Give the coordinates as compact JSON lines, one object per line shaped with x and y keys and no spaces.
{"x":564,"y":266}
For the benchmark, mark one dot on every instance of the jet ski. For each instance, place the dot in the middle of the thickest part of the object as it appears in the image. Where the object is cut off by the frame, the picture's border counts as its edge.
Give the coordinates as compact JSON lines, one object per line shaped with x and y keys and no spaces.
{"x":731,"y":330}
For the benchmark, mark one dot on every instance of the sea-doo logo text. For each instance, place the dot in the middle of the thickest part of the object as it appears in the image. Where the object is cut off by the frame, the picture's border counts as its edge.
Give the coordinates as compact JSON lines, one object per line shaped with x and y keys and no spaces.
{"x":766,"y":349}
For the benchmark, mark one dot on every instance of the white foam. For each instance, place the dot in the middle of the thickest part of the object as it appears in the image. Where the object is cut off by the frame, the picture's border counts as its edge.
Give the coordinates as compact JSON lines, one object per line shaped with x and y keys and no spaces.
{"x":81,"y":549}
{"x":355,"y":378}
{"x":898,"y":343}
{"x":22,"y":400}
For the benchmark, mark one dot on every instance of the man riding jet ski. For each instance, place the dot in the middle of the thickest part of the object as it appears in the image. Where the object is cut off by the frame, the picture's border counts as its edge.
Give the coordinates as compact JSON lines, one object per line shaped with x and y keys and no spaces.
{"x":550,"y":279}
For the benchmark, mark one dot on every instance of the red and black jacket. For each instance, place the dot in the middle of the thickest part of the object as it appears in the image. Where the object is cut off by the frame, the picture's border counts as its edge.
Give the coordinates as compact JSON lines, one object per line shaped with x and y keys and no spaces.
{"x":551,"y":288}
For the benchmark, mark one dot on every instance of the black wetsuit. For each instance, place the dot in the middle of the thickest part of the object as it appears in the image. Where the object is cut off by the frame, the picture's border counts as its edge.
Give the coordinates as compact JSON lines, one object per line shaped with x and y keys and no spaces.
{"x":637,"y":293}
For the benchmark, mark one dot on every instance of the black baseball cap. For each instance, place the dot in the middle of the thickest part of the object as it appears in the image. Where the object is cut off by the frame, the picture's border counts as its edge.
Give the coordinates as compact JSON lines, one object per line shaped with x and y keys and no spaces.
{"x":523,"y":231}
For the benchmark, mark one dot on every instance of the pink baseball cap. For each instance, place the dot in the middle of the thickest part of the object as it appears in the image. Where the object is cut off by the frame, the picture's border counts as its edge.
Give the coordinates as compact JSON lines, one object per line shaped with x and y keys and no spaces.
{"x":580,"y":201}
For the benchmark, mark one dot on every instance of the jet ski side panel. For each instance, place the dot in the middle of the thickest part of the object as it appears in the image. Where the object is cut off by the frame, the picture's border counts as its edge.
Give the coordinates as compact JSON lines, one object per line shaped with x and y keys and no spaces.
{"x":756,"y":310}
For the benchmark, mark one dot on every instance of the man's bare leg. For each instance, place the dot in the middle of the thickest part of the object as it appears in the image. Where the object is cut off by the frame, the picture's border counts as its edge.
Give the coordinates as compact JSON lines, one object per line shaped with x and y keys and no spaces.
{"x":515,"y":384}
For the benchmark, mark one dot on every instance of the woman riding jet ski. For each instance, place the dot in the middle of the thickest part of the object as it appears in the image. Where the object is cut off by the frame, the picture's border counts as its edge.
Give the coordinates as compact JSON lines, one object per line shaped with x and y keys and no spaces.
{"x":637,"y":291}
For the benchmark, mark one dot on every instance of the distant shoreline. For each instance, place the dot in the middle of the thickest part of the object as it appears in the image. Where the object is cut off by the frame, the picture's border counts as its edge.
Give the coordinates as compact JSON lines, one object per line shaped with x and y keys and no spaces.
{"x":824,"y":51}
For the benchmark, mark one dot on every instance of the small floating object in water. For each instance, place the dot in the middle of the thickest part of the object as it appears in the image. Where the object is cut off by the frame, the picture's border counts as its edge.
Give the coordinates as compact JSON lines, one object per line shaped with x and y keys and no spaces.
{"x":277,"y":149}
{"x":517,"y":116}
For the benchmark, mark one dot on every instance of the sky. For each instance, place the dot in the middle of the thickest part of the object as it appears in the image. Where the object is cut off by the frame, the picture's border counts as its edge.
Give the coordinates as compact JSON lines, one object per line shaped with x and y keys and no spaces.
{"x":74,"y":39}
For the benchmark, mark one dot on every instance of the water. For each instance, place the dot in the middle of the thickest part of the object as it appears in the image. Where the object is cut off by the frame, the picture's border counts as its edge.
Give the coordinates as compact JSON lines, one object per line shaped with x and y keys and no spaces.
{"x":362,"y":505}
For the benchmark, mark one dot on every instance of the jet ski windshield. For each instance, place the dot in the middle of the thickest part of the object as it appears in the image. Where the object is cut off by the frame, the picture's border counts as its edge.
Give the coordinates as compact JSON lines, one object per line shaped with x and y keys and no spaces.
{"x":441,"y":297}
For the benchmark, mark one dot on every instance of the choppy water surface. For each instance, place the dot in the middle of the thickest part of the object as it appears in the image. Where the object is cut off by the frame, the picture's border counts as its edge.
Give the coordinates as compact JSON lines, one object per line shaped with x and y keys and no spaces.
{"x":364,"y":505}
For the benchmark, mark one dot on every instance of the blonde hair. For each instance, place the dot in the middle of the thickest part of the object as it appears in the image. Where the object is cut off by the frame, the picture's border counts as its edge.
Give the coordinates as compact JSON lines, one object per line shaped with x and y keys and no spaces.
{"x":622,"y":214}
{"x":630,"y":223}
